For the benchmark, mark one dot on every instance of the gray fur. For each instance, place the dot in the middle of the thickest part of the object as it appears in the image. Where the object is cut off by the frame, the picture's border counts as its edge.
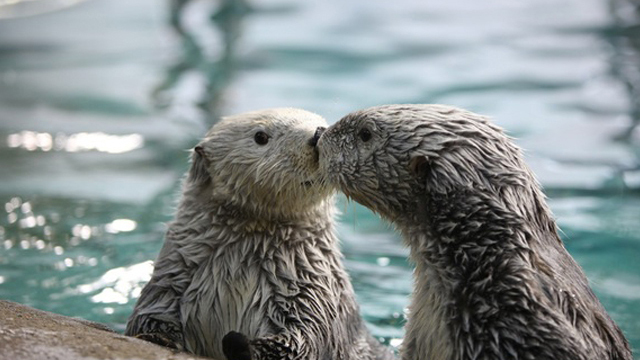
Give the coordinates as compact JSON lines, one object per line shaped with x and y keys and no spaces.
{"x":252,"y":249}
{"x":493,"y":279}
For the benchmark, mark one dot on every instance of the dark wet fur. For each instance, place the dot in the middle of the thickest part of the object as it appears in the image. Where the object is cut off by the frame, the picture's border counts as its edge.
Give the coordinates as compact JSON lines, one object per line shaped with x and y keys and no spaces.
{"x":493,"y":279}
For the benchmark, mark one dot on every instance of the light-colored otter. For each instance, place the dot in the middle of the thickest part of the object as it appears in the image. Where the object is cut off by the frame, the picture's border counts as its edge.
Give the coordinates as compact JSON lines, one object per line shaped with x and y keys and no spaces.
{"x":252,"y":252}
{"x":492,"y":279}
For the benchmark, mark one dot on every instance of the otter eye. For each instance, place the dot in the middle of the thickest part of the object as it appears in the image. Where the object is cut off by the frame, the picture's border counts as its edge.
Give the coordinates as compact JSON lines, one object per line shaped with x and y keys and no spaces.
{"x":365,"y":135}
{"x":261,"y":138}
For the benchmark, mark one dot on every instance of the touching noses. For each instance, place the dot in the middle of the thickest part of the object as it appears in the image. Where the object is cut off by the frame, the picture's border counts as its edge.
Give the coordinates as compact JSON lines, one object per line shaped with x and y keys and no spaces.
{"x":314,"y":140}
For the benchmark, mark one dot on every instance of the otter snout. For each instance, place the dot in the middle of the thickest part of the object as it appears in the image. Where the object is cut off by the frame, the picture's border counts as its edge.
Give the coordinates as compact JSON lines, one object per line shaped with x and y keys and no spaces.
{"x":314,"y":140}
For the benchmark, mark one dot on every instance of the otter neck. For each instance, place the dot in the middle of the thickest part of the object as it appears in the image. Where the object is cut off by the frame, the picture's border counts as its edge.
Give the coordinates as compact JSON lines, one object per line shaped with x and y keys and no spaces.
{"x":264,"y":218}
{"x":197,"y":201}
{"x":473,"y":255}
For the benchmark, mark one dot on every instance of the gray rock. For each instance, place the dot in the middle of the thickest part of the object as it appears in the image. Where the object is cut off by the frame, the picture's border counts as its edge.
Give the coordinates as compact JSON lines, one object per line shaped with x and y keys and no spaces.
{"x":30,"y":334}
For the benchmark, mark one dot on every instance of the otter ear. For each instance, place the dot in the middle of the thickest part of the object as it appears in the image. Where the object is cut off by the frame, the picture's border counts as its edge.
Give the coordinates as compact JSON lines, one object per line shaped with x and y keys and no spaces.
{"x":419,"y":166}
{"x":198,"y":174}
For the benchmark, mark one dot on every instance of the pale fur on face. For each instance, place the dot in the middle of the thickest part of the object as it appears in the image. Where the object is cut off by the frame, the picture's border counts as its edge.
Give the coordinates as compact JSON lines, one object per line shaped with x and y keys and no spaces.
{"x":252,"y":249}
{"x":277,"y":179}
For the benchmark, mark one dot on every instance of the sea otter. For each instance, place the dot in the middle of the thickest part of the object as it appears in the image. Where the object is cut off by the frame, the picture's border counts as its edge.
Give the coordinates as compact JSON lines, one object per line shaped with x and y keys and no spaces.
{"x":492,"y":277}
{"x":252,"y":252}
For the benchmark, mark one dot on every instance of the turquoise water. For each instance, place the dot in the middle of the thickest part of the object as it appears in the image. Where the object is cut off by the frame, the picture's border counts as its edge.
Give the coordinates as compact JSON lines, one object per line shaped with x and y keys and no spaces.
{"x":99,"y":101}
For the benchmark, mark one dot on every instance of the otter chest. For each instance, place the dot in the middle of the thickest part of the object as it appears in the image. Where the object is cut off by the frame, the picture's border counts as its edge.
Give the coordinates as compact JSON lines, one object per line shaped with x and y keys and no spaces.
{"x":229,"y":292}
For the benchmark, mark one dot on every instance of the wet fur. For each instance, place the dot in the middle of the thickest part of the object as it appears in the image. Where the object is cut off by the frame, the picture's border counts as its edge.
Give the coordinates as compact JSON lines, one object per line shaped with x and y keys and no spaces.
{"x":252,"y":249}
{"x":493,"y":279}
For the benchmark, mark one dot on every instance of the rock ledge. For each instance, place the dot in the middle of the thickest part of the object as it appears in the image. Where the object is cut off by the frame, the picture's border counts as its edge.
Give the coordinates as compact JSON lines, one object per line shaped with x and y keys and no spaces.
{"x":30,"y":334}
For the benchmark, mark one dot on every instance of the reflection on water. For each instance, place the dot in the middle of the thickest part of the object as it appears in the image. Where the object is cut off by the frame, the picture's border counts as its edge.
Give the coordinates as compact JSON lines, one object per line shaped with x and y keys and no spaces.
{"x":120,"y":284}
{"x":198,"y":68}
{"x":95,"y":123}
{"x":20,"y":8}
{"x":625,"y":62}
{"x":112,"y":144}
{"x":120,"y":225}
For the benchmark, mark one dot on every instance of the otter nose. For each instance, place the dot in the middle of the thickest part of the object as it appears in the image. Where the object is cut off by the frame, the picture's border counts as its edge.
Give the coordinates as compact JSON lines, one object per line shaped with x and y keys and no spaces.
{"x":314,"y":140}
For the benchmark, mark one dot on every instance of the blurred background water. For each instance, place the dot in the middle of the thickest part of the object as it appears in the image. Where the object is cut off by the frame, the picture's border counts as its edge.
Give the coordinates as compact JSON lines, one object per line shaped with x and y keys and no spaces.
{"x":99,"y":102}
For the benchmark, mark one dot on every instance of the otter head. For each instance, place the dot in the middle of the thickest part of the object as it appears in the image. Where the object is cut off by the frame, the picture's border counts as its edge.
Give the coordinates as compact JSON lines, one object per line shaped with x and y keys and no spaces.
{"x":389,"y":158}
{"x":263,"y":163}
